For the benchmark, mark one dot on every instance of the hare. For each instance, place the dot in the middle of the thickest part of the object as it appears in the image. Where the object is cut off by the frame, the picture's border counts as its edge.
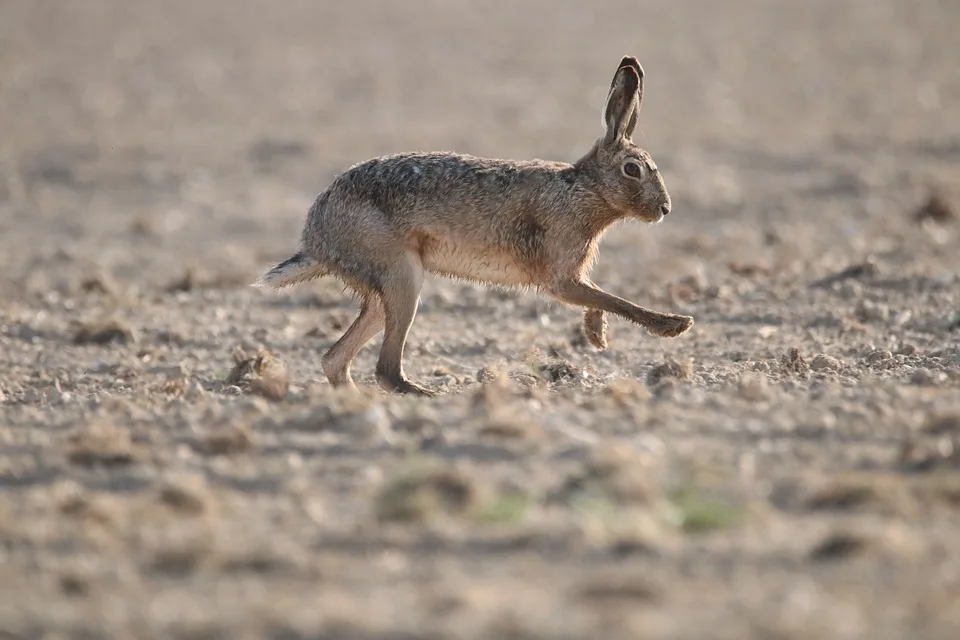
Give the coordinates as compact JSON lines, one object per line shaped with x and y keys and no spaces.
{"x":384,"y":222}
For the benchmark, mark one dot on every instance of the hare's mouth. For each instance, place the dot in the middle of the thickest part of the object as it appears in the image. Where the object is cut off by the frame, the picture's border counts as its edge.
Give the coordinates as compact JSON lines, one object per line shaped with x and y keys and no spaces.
{"x":653,"y":217}
{"x":657,"y":215}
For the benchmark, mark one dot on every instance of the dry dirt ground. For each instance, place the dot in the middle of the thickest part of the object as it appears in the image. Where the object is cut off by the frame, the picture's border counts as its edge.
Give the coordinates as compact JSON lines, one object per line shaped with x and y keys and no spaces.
{"x":174,"y":465}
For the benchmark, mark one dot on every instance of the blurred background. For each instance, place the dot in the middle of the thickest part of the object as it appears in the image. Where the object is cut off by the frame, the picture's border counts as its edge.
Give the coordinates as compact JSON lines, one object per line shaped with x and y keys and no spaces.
{"x":138,"y":134}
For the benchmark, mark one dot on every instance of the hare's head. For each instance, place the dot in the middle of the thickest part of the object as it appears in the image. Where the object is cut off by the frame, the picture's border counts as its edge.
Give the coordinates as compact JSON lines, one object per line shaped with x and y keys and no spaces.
{"x":625,"y":174}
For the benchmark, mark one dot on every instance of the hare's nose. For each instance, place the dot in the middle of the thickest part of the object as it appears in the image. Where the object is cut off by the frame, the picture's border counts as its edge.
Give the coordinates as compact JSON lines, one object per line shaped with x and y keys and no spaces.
{"x":665,"y":208}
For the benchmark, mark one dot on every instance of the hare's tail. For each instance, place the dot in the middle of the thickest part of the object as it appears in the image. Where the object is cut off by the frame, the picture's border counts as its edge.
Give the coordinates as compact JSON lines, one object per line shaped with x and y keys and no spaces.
{"x":294,"y":270}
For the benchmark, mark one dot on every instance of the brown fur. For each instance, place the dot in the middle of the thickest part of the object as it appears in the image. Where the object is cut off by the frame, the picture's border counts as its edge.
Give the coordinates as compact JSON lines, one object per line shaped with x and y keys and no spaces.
{"x":524,"y":223}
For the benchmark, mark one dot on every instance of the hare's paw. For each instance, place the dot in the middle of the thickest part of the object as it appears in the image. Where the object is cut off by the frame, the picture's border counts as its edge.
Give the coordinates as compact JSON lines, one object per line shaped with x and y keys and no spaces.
{"x":399,"y":384}
{"x":670,"y":325}
{"x":595,"y":328}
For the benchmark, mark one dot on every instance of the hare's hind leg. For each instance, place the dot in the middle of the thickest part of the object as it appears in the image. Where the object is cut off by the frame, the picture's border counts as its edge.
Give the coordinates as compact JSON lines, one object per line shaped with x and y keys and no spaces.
{"x":336,"y":361}
{"x":400,"y":293}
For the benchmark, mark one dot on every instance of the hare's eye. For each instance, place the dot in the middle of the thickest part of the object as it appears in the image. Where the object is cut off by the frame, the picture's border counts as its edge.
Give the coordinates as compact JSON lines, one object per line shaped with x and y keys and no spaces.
{"x":632,"y":170}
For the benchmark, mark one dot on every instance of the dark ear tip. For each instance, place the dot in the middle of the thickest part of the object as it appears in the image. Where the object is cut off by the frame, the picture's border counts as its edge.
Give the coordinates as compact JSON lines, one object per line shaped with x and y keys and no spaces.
{"x":630,"y":61}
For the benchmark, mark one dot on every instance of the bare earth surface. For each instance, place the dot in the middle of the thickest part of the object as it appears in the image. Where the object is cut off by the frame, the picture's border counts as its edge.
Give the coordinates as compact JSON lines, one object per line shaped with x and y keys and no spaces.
{"x":787,"y":469}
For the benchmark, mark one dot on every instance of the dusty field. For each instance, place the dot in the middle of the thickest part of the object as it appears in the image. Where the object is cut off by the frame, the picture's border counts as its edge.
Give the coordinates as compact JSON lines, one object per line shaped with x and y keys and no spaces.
{"x":785,"y":470}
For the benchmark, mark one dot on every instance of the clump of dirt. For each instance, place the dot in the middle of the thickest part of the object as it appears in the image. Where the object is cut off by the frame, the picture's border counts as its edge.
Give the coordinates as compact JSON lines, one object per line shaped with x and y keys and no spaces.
{"x":226,"y":440}
{"x":792,"y":363}
{"x":860,"y":494}
{"x":194,"y":279}
{"x":260,"y":373}
{"x":822,"y":363}
{"x":501,"y":427}
{"x":489,"y":375}
{"x":184,"y":495}
{"x":498,"y":415}
{"x":104,"y":332}
{"x":671,"y":369}
{"x":559,"y":371}
{"x":748,"y":269}
{"x":937,"y":489}
{"x":103,"y":444}
{"x":98,"y":284}
{"x":942,"y":424}
{"x":187,"y":282}
{"x":841,"y":545}
{"x":179,"y":559}
{"x":614,"y":473}
{"x":72,"y":584}
{"x":866,"y":269}
{"x":918,"y":456}
{"x":422,"y":494}
{"x":354,"y":414}
{"x":173,"y":379}
{"x":82,"y":506}
{"x":617,"y":588}
{"x":935,"y":209}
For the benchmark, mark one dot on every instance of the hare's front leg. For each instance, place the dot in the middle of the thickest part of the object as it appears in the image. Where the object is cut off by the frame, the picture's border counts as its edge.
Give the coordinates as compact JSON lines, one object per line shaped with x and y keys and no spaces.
{"x":401,"y":283}
{"x":586,"y":294}
{"x":595,"y":327}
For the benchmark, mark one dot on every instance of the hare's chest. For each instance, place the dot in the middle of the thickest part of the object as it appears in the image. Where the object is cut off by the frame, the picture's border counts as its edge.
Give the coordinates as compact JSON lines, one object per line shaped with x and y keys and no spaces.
{"x":462,"y":260}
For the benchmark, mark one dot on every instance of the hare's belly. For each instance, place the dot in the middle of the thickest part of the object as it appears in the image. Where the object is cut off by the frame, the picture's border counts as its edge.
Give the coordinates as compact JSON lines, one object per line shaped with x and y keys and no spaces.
{"x":473,"y":263}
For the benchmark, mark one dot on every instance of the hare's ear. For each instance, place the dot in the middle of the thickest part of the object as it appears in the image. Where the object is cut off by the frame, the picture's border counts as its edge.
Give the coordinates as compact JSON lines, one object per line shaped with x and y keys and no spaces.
{"x":623,"y":101}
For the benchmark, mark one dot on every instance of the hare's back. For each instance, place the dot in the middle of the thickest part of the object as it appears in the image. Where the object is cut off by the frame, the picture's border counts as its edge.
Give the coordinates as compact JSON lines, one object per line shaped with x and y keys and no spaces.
{"x":459,"y":212}
{"x":419,"y":187}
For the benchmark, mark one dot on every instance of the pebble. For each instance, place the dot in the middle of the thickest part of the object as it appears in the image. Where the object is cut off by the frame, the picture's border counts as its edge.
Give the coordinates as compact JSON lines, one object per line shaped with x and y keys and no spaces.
{"x":869,"y":311}
{"x":906,"y":349}
{"x":823,"y":362}
{"x":879,"y":355}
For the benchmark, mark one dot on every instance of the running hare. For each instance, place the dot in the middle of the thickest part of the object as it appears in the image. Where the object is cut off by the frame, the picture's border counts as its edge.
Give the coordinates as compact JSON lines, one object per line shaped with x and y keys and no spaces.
{"x":526,"y":223}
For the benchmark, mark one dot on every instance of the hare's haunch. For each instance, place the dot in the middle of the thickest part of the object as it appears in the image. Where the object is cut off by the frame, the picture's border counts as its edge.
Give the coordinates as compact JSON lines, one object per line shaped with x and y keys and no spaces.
{"x":531,"y":223}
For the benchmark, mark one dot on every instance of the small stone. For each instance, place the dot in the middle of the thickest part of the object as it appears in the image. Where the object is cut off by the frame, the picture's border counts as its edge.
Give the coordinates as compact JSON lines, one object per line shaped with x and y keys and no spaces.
{"x":104,"y":333}
{"x":487,"y":375}
{"x":902,"y":318}
{"x":879,"y":355}
{"x":823,"y":362}
{"x":559,"y":370}
{"x":906,"y":349}
{"x":936,"y":208}
{"x":850,"y":290}
{"x":869,"y":311}
{"x":670,"y":370}
{"x":767,"y":332}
